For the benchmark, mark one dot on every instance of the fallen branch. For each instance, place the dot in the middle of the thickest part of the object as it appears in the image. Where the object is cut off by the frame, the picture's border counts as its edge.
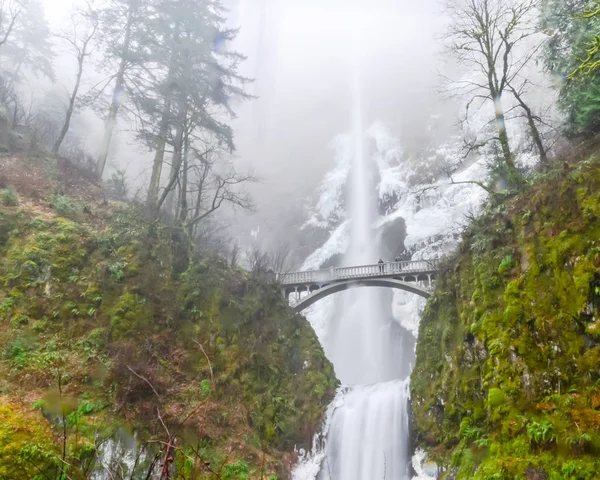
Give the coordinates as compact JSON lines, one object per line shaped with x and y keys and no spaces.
{"x":212,"y":379}
{"x":144,"y":379}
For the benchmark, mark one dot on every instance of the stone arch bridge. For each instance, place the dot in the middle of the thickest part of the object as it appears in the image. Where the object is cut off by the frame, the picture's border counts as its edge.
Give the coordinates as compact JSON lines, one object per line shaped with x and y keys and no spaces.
{"x":412,"y":276}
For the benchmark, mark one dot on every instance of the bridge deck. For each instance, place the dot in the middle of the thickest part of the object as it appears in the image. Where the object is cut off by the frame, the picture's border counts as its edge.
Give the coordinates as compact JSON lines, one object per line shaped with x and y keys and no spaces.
{"x":388,"y":269}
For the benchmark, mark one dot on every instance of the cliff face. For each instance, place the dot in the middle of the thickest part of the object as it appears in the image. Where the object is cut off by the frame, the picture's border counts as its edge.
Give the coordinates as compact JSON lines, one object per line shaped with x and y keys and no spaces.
{"x":507,"y":378}
{"x":116,"y":340}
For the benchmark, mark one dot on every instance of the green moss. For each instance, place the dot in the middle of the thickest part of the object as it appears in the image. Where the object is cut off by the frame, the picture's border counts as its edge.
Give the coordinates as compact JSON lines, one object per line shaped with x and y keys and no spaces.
{"x":523,"y":285}
{"x":26,"y":443}
{"x":131,"y":314}
{"x":105,"y":315}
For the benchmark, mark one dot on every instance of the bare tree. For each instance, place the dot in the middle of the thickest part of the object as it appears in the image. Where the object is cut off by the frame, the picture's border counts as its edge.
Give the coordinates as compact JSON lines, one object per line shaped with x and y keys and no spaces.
{"x":84,"y":28}
{"x":221,"y":189}
{"x":493,"y":39}
{"x":275,"y":260}
{"x":280,"y":258}
{"x":10,"y":10}
{"x":258,"y":260}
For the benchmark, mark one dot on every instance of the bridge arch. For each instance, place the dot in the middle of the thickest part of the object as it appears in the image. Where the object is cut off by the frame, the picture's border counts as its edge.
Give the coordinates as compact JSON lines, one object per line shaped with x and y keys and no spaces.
{"x":367,"y":282}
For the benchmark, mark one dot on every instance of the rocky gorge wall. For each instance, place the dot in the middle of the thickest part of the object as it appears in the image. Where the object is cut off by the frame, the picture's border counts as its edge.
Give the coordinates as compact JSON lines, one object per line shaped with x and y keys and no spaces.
{"x":507,"y":377}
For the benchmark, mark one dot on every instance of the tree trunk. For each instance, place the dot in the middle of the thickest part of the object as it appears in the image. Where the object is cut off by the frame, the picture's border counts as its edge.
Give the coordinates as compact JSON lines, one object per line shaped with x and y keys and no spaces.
{"x":535,"y":133}
{"x":114,"y":107}
{"x":177,"y":155}
{"x":513,"y":174}
{"x":159,"y":156}
{"x":71,"y":107}
{"x":183,"y":211}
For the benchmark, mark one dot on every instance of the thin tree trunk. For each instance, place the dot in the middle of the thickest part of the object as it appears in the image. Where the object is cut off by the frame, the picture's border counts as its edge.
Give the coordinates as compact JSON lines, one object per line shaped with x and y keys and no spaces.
{"x":114,"y":107}
{"x":177,"y":155}
{"x":159,"y":156}
{"x":175,"y":195}
{"x":535,"y":133}
{"x":71,"y":107}
{"x":183,"y":211}
{"x":157,"y":165}
{"x":507,"y":155}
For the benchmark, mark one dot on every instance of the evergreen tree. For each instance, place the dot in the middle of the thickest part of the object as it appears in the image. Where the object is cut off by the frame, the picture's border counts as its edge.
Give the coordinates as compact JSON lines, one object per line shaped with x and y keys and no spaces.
{"x":571,"y":34}
{"x":191,"y":97}
{"x":24,"y":41}
{"x":123,"y":28}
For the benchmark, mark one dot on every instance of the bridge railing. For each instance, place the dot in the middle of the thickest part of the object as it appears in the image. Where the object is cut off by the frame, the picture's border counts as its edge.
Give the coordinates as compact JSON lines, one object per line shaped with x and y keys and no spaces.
{"x":361,"y":271}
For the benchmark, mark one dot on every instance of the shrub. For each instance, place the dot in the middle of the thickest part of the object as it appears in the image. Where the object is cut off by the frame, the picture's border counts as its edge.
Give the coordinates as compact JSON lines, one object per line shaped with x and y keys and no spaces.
{"x":116,"y":186}
{"x":541,"y":433}
{"x":9,"y":197}
{"x":63,"y":205}
{"x":506,"y":264}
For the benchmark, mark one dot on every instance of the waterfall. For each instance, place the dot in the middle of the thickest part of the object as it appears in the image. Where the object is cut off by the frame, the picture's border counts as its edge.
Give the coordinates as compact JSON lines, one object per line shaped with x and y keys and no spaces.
{"x":367,"y":435}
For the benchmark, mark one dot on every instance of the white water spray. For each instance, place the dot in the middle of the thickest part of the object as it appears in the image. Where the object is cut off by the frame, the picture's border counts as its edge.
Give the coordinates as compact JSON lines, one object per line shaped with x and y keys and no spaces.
{"x":368,"y":435}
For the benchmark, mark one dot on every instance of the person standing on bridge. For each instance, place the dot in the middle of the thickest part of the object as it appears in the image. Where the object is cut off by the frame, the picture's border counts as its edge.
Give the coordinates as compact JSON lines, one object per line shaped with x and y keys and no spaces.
{"x":380,"y":265}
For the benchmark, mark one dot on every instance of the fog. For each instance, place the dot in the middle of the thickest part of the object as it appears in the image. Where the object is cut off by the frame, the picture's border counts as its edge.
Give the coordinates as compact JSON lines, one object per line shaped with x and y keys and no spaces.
{"x":299,"y":52}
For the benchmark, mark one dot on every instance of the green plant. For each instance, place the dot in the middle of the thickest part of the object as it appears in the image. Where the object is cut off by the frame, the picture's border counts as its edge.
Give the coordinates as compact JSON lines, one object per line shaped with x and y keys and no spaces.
{"x":117,"y":270}
{"x":541,"y":433}
{"x":117,"y":187}
{"x":236,"y":471}
{"x":506,"y":264}
{"x":9,"y":197}
{"x":578,"y":440}
{"x":6,"y":305}
{"x":63,"y":205}
{"x":205,"y":386}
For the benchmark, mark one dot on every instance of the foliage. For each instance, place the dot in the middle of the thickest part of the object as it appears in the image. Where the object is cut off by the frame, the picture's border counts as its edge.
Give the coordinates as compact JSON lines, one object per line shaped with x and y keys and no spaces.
{"x":117,"y":187}
{"x":519,"y":377}
{"x":9,"y":197}
{"x":63,"y":205}
{"x":571,"y":38}
{"x":107,"y":330}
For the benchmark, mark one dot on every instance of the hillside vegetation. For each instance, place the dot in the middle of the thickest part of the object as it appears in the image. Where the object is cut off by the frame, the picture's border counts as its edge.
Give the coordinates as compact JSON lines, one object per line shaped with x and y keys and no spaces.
{"x":507,"y":378}
{"x":123,"y":349}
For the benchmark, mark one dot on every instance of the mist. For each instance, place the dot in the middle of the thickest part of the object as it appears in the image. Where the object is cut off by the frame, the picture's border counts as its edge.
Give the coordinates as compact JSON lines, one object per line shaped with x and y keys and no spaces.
{"x":299,"y":55}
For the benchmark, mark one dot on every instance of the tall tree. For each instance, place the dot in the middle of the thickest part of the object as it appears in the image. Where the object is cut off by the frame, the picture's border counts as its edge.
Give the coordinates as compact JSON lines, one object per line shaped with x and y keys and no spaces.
{"x":10,"y":11}
{"x":24,"y":40}
{"x":84,"y":28}
{"x":191,"y":97}
{"x":492,"y":39}
{"x":123,"y":23}
{"x":572,"y":30}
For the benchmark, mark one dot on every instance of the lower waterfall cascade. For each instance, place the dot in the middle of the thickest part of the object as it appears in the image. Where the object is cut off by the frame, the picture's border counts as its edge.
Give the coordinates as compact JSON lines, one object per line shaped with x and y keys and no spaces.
{"x":366,"y":433}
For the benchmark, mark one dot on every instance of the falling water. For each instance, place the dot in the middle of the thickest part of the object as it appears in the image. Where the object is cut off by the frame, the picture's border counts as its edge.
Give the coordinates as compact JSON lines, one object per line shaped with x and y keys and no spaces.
{"x":359,"y":337}
{"x":368,"y":435}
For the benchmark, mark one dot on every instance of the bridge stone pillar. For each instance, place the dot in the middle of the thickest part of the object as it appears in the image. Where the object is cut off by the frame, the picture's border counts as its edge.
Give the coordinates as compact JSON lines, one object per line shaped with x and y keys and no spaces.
{"x":331,"y":273}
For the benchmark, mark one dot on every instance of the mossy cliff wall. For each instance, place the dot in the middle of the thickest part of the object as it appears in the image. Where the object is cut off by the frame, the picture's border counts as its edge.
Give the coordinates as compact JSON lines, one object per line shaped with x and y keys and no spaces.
{"x":109,"y":325}
{"x":507,"y":378}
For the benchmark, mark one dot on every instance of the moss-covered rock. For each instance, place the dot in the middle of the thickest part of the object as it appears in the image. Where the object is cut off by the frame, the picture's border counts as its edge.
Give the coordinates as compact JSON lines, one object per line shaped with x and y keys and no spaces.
{"x":126,"y":328}
{"x":507,"y":379}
